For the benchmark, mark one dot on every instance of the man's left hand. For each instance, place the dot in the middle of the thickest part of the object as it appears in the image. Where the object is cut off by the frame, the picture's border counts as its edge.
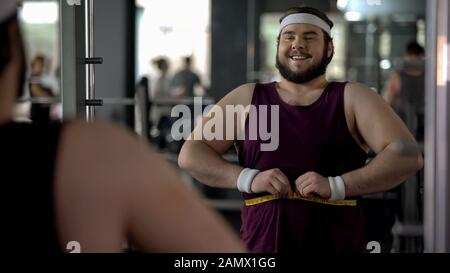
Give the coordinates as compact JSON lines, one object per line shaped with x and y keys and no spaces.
{"x":313,"y":184}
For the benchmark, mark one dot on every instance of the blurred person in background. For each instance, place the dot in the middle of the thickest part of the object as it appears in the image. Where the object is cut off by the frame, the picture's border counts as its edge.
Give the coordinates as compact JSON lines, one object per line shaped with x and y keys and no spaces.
{"x":185,"y":80}
{"x":405,"y":90}
{"x":40,"y":112}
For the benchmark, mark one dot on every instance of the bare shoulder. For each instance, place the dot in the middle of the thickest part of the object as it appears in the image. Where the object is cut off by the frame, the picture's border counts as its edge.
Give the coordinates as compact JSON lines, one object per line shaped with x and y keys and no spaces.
{"x":355,"y":89}
{"x":360,"y":94}
{"x":395,"y":76}
{"x":100,"y":140}
{"x":360,"y":101}
{"x":100,"y":148}
{"x":97,"y":133}
{"x":241,"y":95}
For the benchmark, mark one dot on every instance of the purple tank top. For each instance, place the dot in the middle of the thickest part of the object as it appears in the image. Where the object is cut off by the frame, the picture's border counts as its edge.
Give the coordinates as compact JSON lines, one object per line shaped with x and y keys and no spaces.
{"x":311,"y":138}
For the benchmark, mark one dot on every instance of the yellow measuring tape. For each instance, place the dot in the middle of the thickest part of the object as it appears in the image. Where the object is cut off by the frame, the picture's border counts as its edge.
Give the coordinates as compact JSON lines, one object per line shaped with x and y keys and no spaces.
{"x":296,"y":195}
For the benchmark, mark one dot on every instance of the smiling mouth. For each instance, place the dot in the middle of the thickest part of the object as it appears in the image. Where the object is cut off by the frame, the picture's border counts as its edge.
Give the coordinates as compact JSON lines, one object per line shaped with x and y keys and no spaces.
{"x":299,"y":57}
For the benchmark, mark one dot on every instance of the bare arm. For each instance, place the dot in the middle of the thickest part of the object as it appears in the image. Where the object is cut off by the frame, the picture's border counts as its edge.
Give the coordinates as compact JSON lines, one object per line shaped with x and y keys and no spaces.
{"x":206,"y":164}
{"x":111,"y":188}
{"x":382,"y":130}
{"x":38,"y":91}
{"x":203,"y":158}
{"x":392,"y":89}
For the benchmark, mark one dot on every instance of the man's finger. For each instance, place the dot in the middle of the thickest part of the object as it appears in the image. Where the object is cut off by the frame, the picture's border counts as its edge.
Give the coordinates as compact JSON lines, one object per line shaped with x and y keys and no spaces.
{"x":271,"y":189}
{"x":308,"y":190}
{"x":302,"y":187}
{"x":302,"y":180}
{"x":284,"y":183}
{"x":277,"y":185}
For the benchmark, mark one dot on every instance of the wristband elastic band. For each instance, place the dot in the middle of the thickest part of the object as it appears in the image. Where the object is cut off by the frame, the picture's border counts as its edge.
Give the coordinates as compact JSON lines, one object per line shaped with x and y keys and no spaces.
{"x":245,"y":179}
{"x":337,"y":187}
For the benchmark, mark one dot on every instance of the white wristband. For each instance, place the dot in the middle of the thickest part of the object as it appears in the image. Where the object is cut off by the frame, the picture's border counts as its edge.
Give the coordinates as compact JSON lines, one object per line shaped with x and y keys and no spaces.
{"x":337,"y":187}
{"x":245,"y":179}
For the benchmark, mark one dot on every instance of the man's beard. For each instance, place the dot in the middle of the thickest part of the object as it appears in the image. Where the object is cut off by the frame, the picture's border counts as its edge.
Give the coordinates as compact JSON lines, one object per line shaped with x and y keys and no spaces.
{"x":313,"y":72}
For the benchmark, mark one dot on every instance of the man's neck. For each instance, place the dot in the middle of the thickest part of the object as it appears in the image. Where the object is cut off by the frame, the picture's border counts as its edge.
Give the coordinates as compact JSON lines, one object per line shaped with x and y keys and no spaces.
{"x":317,"y":83}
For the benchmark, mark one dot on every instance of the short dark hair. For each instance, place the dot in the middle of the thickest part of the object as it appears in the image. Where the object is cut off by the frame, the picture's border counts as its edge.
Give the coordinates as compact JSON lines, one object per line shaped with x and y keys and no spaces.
{"x":39,"y":58}
{"x":161,"y":63}
{"x":413,"y":48}
{"x":313,"y":11}
{"x":187,"y":60}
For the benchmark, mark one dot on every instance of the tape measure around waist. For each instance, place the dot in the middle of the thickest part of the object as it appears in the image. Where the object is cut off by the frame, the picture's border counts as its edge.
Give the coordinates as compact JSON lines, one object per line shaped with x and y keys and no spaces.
{"x":296,"y":196}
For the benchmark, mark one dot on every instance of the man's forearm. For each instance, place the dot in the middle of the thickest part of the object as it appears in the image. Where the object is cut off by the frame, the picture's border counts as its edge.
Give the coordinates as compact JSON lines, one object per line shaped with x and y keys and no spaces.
{"x":386,"y":171}
{"x":205,"y":165}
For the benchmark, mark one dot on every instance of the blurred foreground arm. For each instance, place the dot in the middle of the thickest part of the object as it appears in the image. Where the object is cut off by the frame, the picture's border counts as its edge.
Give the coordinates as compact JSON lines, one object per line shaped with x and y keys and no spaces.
{"x":110,"y":188}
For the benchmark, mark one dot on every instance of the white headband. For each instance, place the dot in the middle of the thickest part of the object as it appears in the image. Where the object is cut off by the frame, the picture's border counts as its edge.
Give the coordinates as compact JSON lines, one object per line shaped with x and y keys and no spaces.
{"x":305,"y":18}
{"x":7,"y":9}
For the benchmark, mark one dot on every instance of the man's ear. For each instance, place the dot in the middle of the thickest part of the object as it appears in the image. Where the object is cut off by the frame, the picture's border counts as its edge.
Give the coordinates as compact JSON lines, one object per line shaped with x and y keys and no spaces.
{"x":330,"y":50}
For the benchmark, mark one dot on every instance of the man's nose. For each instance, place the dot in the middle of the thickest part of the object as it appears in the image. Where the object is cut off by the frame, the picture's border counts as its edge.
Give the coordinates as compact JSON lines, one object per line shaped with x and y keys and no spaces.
{"x":297,"y":44}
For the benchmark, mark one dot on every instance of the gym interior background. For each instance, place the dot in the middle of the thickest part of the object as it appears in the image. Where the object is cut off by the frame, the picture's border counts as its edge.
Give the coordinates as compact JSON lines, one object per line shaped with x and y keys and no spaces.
{"x":100,"y":65}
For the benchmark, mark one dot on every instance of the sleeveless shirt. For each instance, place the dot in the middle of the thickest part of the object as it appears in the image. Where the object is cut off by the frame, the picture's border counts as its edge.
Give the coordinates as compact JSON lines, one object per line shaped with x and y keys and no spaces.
{"x":28,"y":152}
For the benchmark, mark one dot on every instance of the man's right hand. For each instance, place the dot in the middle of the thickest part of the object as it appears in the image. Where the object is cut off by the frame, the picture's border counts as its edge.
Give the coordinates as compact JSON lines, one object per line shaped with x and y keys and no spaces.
{"x":273,"y":181}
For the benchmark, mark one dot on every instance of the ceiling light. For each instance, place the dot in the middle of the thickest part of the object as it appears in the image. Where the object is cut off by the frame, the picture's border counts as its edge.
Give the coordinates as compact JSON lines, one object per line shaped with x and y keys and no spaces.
{"x":40,"y":12}
{"x":352,"y":16}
